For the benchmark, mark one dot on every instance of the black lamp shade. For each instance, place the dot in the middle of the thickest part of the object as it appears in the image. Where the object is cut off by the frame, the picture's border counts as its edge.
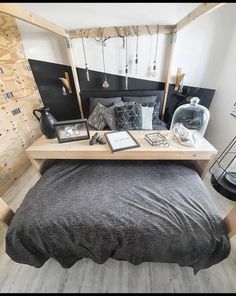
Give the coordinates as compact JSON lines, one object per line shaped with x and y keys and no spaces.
{"x":223,"y":172}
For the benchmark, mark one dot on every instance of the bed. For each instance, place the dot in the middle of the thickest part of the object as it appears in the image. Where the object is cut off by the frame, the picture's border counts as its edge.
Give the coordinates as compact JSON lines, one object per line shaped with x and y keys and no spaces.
{"x":137,"y":211}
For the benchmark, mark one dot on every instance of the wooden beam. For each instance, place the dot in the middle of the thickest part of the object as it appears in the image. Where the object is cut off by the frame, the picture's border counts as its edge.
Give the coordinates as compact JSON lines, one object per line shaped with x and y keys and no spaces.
{"x":197,"y":12}
{"x":230,"y":222}
{"x":170,"y":55}
{"x":74,"y":73}
{"x":6,"y":214}
{"x":116,"y":31}
{"x":32,"y":18}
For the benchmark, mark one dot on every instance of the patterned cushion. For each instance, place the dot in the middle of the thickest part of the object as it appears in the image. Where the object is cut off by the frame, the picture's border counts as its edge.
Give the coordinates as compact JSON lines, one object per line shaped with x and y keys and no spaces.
{"x":147,"y":117}
{"x":104,"y":101}
{"x":129,"y":117}
{"x":110,"y":115}
{"x":96,"y":119}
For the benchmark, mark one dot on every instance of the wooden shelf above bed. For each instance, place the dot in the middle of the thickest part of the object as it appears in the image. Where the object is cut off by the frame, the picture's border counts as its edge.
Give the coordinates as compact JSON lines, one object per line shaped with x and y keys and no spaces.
{"x":44,"y":148}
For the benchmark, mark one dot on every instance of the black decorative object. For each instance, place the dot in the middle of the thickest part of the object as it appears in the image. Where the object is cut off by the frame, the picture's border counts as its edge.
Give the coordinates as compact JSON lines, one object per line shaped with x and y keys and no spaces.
{"x":72,"y":130}
{"x":46,"y":122}
{"x":223,"y":172}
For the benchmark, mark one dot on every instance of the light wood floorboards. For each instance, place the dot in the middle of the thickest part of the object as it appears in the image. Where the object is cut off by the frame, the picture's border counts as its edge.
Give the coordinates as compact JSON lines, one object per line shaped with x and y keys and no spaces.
{"x":113,"y":276}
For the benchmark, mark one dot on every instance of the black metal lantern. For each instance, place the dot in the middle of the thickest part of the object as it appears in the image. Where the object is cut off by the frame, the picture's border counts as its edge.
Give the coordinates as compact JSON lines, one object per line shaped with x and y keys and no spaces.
{"x":223,"y":172}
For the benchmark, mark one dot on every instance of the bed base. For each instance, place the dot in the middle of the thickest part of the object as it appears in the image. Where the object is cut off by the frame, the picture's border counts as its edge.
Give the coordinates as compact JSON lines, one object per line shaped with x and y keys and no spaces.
{"x":6,"y":215}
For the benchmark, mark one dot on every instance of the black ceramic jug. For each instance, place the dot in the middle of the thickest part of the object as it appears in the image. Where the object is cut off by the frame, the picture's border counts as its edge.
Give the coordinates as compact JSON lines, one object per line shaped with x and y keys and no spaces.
{"x":46,"y":121}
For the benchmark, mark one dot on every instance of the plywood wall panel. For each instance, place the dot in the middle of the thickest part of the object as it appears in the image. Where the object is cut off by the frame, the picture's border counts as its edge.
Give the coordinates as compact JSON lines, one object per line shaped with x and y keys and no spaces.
{"x":18,"y":97}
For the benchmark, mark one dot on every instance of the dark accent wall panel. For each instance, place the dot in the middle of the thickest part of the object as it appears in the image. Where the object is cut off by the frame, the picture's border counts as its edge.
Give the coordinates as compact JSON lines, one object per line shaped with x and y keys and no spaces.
{"x":66,"y":107}
{"x":174,"y":100}
{"x":50,"y":87}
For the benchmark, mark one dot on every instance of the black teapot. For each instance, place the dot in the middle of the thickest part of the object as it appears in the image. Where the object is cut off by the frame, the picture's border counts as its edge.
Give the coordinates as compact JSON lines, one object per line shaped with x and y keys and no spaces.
{"x":46,"y":121}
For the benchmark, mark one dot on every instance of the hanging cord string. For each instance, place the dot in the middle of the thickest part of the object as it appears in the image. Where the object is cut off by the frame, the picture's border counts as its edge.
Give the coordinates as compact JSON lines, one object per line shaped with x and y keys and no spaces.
{"x":105,"y":83}
{"x":85,"y":58}
{"x":126,"y":59}
{"x":148,"y":30}
{"x":104,"y":69}
{"x":82,"y":38}
{"x":136,"y":57}
{"x":155,"y":60}
{"x":121,"y":36}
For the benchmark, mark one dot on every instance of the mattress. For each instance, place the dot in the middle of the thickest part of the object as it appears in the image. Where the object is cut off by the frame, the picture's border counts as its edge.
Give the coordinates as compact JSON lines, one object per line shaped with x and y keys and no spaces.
{"x":137,"y":211}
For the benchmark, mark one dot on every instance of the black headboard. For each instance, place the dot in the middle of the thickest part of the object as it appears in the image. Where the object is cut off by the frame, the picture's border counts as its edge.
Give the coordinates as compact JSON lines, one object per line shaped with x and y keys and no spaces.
{"x":85,"y":95}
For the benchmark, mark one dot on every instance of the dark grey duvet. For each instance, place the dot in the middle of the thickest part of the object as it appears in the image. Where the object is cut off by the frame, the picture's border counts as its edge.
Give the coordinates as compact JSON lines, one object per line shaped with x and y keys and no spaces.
{"x":139,"y":211}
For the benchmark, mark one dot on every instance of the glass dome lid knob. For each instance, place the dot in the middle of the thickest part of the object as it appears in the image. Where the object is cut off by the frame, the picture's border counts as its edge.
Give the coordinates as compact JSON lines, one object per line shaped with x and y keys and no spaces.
{"x":194,"y":100}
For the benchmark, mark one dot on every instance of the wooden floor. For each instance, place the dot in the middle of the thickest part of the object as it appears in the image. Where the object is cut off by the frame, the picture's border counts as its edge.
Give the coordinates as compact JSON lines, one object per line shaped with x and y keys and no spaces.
{"x":113,"y":276}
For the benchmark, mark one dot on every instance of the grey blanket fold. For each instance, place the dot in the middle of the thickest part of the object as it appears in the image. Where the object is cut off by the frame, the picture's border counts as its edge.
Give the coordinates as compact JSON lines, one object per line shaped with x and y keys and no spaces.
{"x":138,"y":211}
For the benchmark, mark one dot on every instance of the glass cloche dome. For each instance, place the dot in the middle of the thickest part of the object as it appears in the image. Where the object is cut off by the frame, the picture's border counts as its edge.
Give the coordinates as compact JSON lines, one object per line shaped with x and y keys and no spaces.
{"x":193,"y":116}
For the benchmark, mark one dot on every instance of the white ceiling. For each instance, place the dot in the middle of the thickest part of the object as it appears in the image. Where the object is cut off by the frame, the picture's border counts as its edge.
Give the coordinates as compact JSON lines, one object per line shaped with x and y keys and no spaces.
{"x":85,"y":15}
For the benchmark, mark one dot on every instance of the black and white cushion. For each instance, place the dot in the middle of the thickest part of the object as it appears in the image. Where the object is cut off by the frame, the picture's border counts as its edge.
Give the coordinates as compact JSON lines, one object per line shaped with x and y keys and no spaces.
{"x":96,"y":119}
{"x":129,"y":117}
{"x":110,"y":116}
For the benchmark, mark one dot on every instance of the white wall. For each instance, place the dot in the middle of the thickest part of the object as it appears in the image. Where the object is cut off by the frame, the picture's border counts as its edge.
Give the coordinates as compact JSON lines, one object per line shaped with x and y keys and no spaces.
{"x":200,"y":49}
{"x":222,"y":126}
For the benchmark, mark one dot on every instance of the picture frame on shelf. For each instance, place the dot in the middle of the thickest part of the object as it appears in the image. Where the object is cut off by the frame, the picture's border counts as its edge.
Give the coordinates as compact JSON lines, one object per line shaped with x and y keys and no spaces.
{"x":71,"y":130}
{"x":121,"y":140}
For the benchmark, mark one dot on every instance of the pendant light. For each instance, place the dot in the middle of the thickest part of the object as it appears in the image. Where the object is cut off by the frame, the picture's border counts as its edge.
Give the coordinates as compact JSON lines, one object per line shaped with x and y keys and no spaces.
{"x":126,"y":65}
{"x":154,"y":72}
{"x":136,"y":56}
{"x":105,"y":82}
{"x":85,"y":59}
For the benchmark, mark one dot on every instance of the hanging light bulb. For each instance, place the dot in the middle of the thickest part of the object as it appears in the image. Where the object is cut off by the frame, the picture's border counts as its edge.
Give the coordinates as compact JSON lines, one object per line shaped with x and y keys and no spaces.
{"x":85,"y":59}
{"x":154,"y":72}
{"x":126,"y":65}
{"x":105,"y":82}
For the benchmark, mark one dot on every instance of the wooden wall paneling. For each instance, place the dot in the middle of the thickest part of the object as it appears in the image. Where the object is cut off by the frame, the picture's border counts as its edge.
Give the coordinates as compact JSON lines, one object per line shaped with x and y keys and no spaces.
{"x":13,"y":158}
{"x":18,"y":97}
{"x":6,"y":180}
{"x":26,"y":106}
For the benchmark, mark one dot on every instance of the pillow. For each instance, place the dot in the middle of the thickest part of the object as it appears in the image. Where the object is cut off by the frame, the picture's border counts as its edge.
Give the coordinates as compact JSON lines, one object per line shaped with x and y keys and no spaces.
{"x":96,"y":119}
{"x":156,"y":112}
{"x":147,"y":117}
{"x":141,"y":100}
{"x":110,"y":115}
{"x":104,"y":101}
{"x":129,"y":117}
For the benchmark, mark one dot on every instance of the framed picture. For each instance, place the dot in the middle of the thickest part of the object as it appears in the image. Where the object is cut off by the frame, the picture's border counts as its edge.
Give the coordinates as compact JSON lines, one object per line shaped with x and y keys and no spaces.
{"x":71,"y":130}
{"x":121,"y":140}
